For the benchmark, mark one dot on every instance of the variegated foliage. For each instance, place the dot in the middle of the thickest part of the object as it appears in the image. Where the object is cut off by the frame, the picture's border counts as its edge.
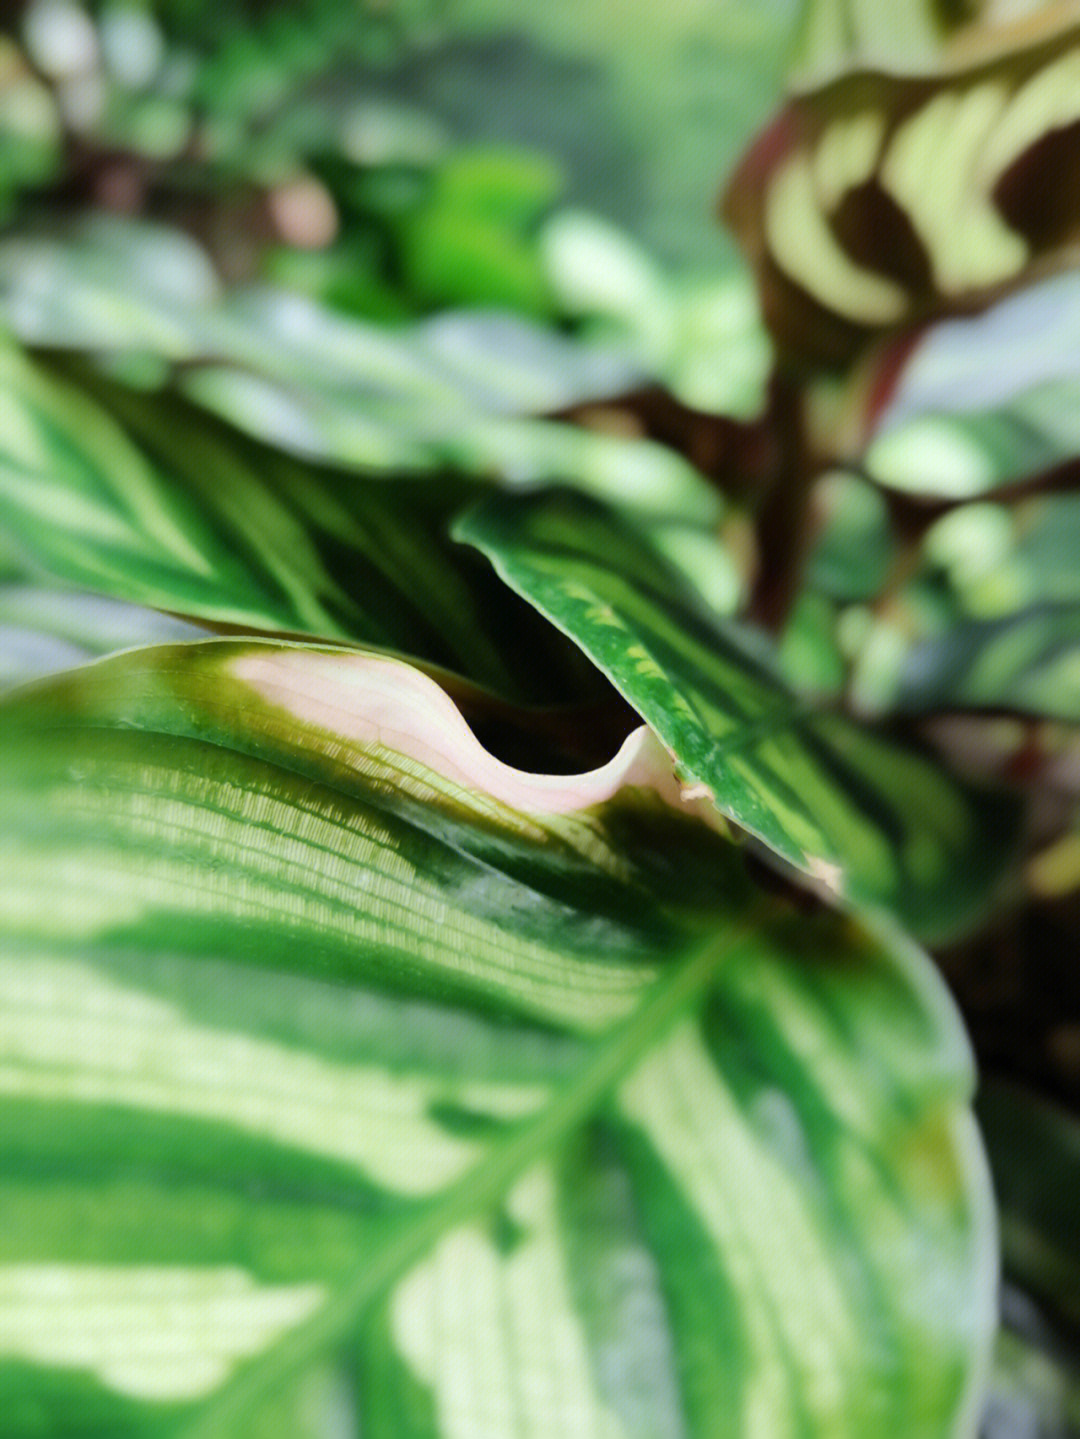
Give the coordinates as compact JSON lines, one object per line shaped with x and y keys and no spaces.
{"x":353,"y":1078}
{"x":382,"y":1057}
{"x":876,"y":202}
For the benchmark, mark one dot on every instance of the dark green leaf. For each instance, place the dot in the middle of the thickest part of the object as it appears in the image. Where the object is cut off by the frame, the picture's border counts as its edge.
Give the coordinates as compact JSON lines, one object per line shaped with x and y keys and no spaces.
{"x":1034,"y":1150}
{"x":142,"y":499}
{"x":873,"y":819}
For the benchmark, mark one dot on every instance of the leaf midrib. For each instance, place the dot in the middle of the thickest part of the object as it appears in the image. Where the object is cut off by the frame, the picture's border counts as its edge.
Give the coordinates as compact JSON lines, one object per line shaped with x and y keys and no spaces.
{"x":611,"y":1060}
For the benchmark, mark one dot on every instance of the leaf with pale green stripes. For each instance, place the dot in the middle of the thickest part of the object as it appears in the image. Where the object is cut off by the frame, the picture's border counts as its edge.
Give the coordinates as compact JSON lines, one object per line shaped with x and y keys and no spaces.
{"x":831,"y":202}
{"x":142,"y":499}
{"x":920,"y":37}
{"x":875,"y":820}
{"x":355,"y":1082}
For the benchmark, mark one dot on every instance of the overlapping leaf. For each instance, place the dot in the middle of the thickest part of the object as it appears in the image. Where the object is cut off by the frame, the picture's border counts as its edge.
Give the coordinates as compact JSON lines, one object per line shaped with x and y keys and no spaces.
{"x":460,"y":390}
{"x":874,"y":819}
{"x":831,"y":203}
{"x":923,"y":37}
{"x":1029,"y":663}
{"x":1034,"y":1146}
{"x":42,"y":630}
{"x":341,"y":1058}
{"x":141,"y":499}
{"x":987,"y":620}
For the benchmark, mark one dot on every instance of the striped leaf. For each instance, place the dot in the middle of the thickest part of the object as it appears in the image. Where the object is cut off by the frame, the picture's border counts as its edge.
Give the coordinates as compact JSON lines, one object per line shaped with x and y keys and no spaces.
{"x":924,"y":37}
{"x":870,"y":818}
{"x":833,"y":206}
{"x":141,"y":499}
{"x":355,"y":1082}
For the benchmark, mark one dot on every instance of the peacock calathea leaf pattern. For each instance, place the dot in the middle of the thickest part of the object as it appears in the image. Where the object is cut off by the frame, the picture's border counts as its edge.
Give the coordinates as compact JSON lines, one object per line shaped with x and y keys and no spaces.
{"x":443,"y":1097}
{"x":99,"y":493}
{"x":925,"y":37}
{"x":876,"y":202}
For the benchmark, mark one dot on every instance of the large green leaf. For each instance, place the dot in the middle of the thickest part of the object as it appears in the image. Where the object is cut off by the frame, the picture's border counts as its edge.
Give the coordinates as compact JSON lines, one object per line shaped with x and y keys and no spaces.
{"x":873,"y":819}
{"x":354,"y":1082}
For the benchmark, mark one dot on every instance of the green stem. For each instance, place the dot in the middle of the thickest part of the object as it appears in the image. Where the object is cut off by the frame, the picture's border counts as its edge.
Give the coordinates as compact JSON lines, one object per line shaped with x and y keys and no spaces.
{"x":476,"y":1191}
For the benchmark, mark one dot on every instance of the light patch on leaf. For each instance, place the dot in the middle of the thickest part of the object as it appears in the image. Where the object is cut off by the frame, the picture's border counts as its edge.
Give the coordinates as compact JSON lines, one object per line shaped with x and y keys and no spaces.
{"x":152,"y":1333}
{"x":805,"y":248}
{"x":68,"y":1033}
{"x":847,"y":155}
{"x":644,"y":663}
{"x":827,"y":873}
{"x":1048,"y":101}
{"x":969,"y":243}
{"x":496,"y":1335}
{"x":758,"y":1212}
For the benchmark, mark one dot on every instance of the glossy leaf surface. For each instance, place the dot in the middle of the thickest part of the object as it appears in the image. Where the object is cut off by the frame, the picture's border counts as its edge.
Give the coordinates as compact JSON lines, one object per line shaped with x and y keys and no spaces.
{"x":872,"y":819}
{"x":412,"y":1094}
{"x":464,"y":390}
{"x":141,"y":499}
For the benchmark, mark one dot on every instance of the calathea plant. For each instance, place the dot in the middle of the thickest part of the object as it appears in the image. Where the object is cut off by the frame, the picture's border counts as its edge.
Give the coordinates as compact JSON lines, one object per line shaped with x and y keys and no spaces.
{"x":462,"y":968}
